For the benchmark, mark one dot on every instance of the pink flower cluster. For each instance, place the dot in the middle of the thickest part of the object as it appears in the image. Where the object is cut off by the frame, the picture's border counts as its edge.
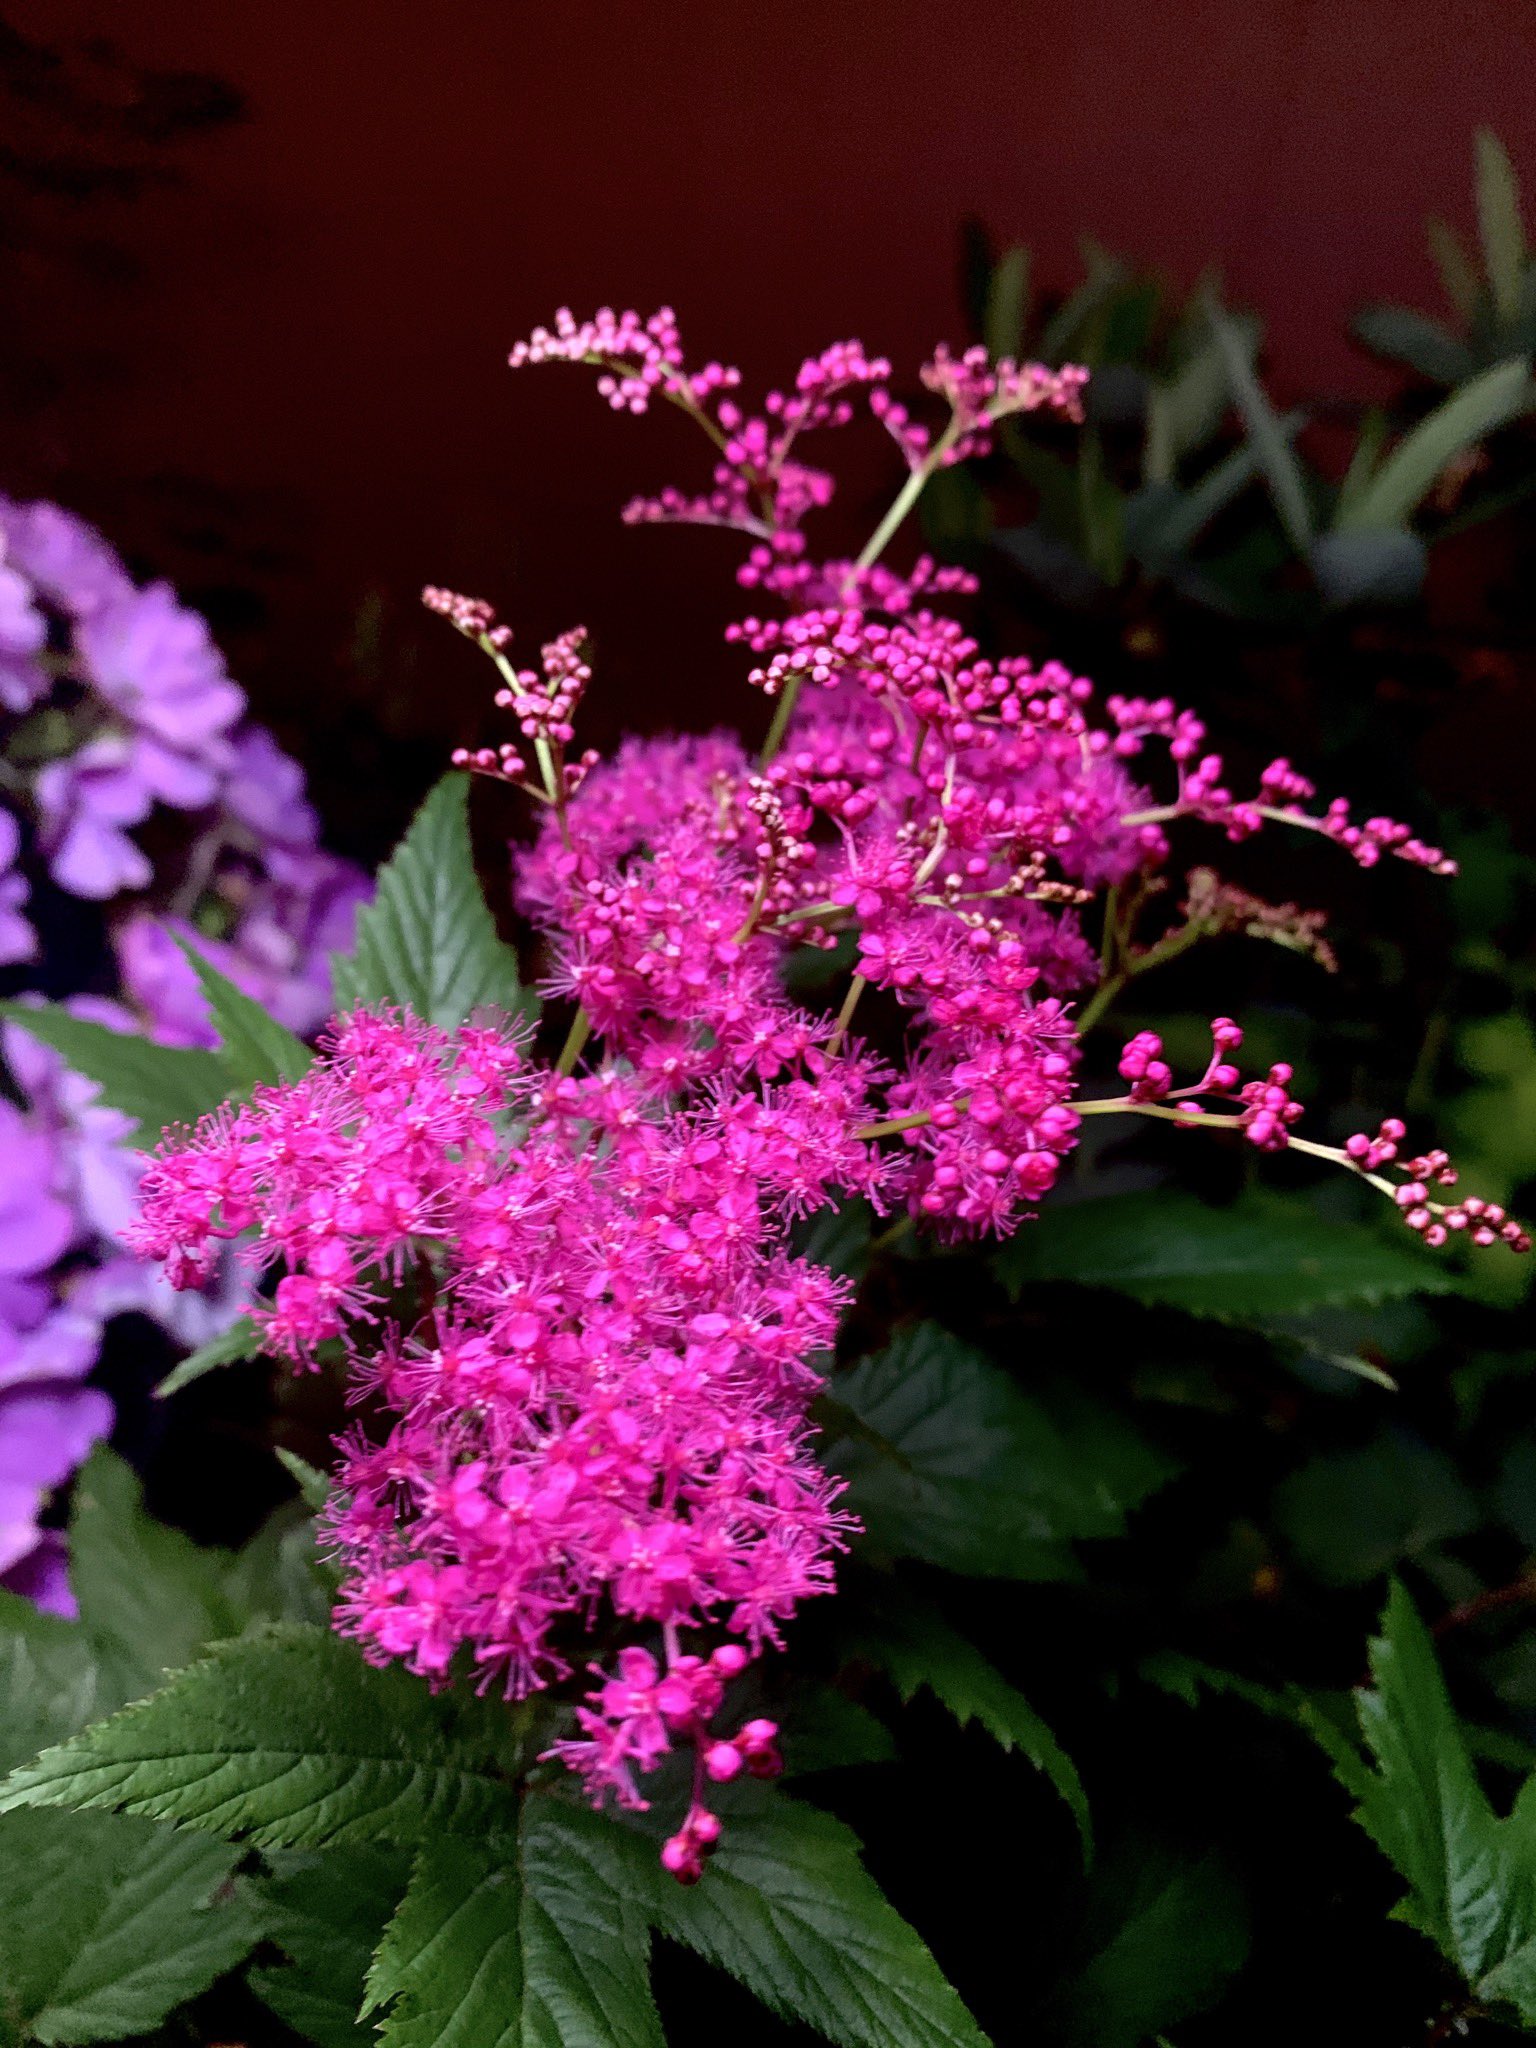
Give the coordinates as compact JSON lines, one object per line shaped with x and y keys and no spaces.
{"x":596,"y":1397}
{"x":942,"y":814}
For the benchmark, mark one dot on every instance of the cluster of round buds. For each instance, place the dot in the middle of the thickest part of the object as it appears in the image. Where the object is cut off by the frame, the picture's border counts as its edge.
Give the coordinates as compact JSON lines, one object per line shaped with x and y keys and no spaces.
{"x":545,"y":705}
{"x":754,"y":1748}
{"x":1484,"y":1222}
{"x":684,"y":1854}
{"x":980,"y":392}
{"x":1142,"y":1064}
{"x":501,"y":764}
{"x":1368,"y":842}
{"x":639,"y":355}
{"x":779,"y":850}
{"x":474,"y":617}
{"x":1269,"y":1109}
{"x":818,"y":397}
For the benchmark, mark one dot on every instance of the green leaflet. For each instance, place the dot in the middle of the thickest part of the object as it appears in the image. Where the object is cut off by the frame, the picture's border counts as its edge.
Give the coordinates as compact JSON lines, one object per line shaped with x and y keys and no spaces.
{"x":1159,"y":1939}
{"x":788,"y":1909}
{"x":533,"y":1943}
{"x":1471,"y":1875}
{"x":149,"y":1597}
{"x":287,"y":1737}
{"x":1261,"y":1256}
{"x":240,"y":1341}
{"x":1271,"y":445}
{"x":1348,"y":1516}
{"x":254,"y":1047}
{"x":1499,"y":226}
{"x":949,"y":1461}
{"x":107,"y":1925}
{"x":157,"y":1085}
{"x":1457,"y":423}
{"x":326,"y":1911}
{"x":909,"y":1639}
{"x":427,"y":942}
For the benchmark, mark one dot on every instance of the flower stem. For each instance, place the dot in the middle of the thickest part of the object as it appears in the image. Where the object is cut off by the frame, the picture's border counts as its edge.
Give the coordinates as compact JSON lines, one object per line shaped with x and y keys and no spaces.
{"x":575,"y":1039}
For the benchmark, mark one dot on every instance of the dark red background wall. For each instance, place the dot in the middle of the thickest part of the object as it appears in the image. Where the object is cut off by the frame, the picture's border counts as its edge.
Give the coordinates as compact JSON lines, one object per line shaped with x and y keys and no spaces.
{"x":316,"y":353}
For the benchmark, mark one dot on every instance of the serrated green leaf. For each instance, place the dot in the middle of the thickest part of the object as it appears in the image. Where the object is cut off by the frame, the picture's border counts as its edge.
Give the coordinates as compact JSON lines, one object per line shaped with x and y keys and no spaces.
{"x":532,"y":1944}
{"x":156,"y":1085}
{"x":1499,"y":226}
{"x":1472,"y":1875}
{"x":1261,"y":1256}
{"x":1456,"y":424}
{"x":107,"y":1925}
{"x":287,"y":1737}
{"x":427,"y":942}
{"x":240,"y":1341}
{"x":1160,"y":1937}
{"x":910,"y":1641}
{"x":949,"y":1461}
{"x":312,"y":1483}
{"x":327,"y":1911}
{"x":1271,"y":445}
{"x":255,"y":1049}
{"x":788,"y":1909}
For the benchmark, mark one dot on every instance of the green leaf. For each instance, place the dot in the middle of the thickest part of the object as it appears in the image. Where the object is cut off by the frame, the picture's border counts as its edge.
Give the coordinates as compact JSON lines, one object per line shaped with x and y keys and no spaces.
{"x":1007,"y":310}
{"x":788,"y":1909}
{"x":1159,"y":1939}
{"x":156,"y":1085}
{"x":254,"y":1047}
{"x":240,"y":1341}
{"x":326,"y":1911}
{"x":107,"y":1925}
{"x":910,"y":1641}
{"x":1412,"y":338}
{"x":948,"y":1461}
{"x":1348,"y":1516}
{"x":279,"y":1575}
{"x":1270,"y":442}
{"x":1368,"y":565}
{"x":287,"y":1737}
{"x":1261,"y":1256}
{"x":50,"y":1680}
{"x":1194,"y":399}
{"x":1498,"y":225}
{"x":149,"y":1597}
{"x":1458,"y":273}
{"x":1457,"y":423}
{"x":1471,"y":1875}
{"x":1066,"y":327}
{"x":532,"y":1944}
{"x":427,"y":942}
{"x":314,"y":1487}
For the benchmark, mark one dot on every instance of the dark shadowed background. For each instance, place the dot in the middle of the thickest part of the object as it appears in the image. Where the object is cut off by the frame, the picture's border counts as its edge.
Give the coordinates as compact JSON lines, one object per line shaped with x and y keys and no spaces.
{"x":270,"y":359}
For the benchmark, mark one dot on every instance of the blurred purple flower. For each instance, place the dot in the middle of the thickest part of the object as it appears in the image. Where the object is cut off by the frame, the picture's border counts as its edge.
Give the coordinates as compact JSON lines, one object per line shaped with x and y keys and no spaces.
{"x":36,"y":1228}
{"x":85,"y":802}
{"x":18,"y":941}
{"x":155,"y":663}
{"x":66,"y":559}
